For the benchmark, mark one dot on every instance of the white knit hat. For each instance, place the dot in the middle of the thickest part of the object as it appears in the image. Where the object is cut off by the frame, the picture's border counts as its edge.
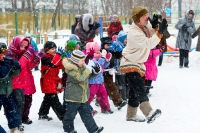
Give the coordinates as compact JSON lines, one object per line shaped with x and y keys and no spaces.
{"x":76,"y":56}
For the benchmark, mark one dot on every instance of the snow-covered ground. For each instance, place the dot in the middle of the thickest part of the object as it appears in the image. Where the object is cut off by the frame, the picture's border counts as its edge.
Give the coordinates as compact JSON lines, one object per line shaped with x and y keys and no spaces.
{"x":176,"y":92}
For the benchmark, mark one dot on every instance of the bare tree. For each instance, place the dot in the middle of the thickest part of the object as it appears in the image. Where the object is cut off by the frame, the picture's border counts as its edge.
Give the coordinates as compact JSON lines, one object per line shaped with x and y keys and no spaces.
{"x":55,"y":13}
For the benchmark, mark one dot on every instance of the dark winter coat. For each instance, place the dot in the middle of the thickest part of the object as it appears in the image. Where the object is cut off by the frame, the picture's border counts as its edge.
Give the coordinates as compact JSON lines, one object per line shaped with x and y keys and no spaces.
{"x":197,"y":33}
{"x":8,"y":69}
{"x":50,"y":67}
{"x":163,"y":41}
{"x":83,"y":31}
{"x":184,"y":39}
{"x":114,"y":27}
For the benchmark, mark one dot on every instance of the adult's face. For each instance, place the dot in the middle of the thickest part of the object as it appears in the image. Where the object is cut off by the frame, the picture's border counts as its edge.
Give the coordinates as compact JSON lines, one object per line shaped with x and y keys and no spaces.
{"x":144,"y":20}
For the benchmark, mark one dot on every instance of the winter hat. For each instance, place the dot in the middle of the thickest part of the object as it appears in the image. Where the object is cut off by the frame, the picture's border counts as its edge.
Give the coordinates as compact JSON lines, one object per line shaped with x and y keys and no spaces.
{"x":122,"y":36}
{"x":114,"y":37}
{"x":76,"y":56}
{"x":27,"y":34}
{"x":93,"y":45}
{"x":115,"y":16}
{"x":159,"y":16}
{"x":138,"y":12}
{"x":105,"y":40}
{"x":72,"y":45}
{"x":3,"y":48}
{"x":48,"y":45}
{"x":74,"y":37}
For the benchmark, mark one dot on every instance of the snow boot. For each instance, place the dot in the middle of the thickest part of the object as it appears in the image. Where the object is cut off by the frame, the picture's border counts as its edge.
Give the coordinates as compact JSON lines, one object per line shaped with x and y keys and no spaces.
{"x":121,"y":104}
{"x":99,"y":129}
{"x":45,"y":117}
{"x":153,"y":115}
{"x":15,"y":130}
{"x":108,"y":112}
{"x":132,"y":115}
{"x":28,"y":122}
{"x":146,"y":108}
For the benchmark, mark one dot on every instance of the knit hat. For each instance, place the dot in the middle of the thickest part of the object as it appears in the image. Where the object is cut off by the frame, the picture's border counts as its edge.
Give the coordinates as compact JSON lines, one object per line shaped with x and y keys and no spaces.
{"x":122,"y":36}
{"x":72,"y":45}
{"x":74,"y":37}
{"x":138,"y":12}
{"x":3,"y":48}
{"x":115,"y":16}
{"x":48,"y":45}
{"x":93,"y":45}
{"x":76,"y":56}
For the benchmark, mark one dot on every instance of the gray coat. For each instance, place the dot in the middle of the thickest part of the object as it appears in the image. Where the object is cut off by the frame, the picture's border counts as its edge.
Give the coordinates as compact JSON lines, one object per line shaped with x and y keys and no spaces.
{"x":184,"y":39}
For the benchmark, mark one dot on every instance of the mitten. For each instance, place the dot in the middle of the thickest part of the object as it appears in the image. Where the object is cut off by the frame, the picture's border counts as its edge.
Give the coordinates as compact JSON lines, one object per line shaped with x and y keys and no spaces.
{"x":89,"y":68}
{"x":108,"y":56}
{"x":37,"y":57}
{"x":96,"y":69}
{"x":184,"y":27}
{"x":160,"y":47}
{"x":163,"y":26}
{"x":154,"y":21}
{"x":96,"y":26}
{"x":103,"y":53}
{"x":59,"y":88}
{"x":29,"y":52}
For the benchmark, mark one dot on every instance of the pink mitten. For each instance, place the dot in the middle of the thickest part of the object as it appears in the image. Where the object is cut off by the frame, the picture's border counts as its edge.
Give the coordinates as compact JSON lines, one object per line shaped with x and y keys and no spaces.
{"x":108,"y":56}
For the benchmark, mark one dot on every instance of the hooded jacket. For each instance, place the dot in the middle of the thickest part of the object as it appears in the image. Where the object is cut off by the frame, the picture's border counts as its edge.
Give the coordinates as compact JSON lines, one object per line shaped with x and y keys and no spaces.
{"x":184,"y":39}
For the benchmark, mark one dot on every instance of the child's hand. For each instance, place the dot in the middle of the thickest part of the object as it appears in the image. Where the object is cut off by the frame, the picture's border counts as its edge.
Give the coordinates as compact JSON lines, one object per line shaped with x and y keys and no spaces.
{"x":108,"y":57}
{"x":103,"y":53}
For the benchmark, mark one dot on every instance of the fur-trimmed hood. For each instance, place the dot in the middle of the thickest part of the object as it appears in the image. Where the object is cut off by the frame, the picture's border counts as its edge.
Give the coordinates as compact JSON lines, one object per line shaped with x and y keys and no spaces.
{"x":85,"y":20}
{"x":68,"y":65}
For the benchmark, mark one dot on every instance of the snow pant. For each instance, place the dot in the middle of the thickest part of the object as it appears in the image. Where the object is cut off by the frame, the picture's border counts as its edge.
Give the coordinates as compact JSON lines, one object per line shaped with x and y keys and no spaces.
{"x":10,"y":110}
{"x":112,"y":90}
{"x":18,"y":95}
{"x":148,"y":83}
{"x":85,"y":113}
{"x":121,"y":83}
{"x":2,"y":130}
{"x":137,"y":93}
{"x":184,"y":57}
{"x":160,"y":59}
{"x":51,"y":100}
{"x":27,"y":106}
{"x":102,"y":97}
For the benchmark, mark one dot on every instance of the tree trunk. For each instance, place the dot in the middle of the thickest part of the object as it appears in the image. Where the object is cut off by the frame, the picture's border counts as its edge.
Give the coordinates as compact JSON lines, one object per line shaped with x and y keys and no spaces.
{"x":55,"y":13}
{"x":29,"y":18}
{"x":23,"y":4}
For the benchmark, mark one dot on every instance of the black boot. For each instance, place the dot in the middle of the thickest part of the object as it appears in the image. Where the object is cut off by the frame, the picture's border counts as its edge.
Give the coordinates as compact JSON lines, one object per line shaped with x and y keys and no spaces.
{"x":121,"y":104}
{"x":45,"y":117}
{"x":99,"y":129}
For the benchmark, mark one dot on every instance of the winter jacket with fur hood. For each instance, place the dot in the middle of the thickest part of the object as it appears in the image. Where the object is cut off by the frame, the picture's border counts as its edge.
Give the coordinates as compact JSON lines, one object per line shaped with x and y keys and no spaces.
{"x":184,"y":39}
{"x":83,"y":30}
{"x":197,"y":33}
{"x":77,"y":89}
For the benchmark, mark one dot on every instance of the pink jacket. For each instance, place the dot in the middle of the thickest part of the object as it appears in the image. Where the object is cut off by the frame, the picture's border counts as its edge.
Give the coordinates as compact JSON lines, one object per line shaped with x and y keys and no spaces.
{"x":151,"y":68}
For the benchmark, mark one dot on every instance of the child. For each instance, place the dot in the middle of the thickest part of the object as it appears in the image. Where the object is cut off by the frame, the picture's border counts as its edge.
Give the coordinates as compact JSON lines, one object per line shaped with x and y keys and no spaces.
{"x":96,"y":84}
{"x":151,"y":68}
{"x":9,"y":68}
{"x":20,"y":48}
{"x":50,"y":82}
{"x":110,"y":86}
{"x":77,"y":93}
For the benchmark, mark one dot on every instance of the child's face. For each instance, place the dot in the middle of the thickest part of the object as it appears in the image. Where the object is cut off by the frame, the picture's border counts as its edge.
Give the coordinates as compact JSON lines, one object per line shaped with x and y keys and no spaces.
{"x":52,"y":51}
{"x":23,"y":45}
{"x":106,"y":46}
{"x":81,"y":62}
{"x":125,"y":41}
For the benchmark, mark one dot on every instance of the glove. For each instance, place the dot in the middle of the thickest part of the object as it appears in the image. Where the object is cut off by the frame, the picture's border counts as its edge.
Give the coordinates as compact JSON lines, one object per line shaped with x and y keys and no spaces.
{"x":96,"y":69}
{"x":154,"y":21}
{"x":91,"y":63}
{"x":112,"y":71}
{"x":160,"y":47}
{"x":59,"y":88}
{"x":96,"y":26}
{"x":103,"y":53}
{"x":163,"y":26}
{"x":29,"y":52}
{"x":60,"y":51}
{"x":184,"y":27}
{"x":108,"y":56}
{"x":37,"y":57}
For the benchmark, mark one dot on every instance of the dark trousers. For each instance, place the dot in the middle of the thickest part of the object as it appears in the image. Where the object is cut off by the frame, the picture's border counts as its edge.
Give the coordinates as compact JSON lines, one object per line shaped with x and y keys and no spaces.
{"x":2,"y":130}
{"x":85,"y":113}
{"x":18,"y":95}
{"x":121,"y":83}
{"x":10,"y":110}
{"x":184,"y":57}
{"x":27,"y":106}
{"x":137,"y":92}
{"x":160,"y":59}
{"x":51,"y":100}
{"x":148,"y":83}
{"x":112,"y":90}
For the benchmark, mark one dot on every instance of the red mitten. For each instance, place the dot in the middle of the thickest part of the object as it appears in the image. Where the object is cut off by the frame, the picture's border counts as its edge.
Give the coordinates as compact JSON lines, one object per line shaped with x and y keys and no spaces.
{"x":108,"y":56}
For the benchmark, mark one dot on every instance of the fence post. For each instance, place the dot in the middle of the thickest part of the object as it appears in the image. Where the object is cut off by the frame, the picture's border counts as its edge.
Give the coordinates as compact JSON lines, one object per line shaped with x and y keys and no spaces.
{"x":9,"y":38}
{"x":69,"y":21}
{"x":16,"y":22}
{"x":36,"y":21}
{"x":101,"y":27}
{"x":45,"y":37}
{"x":56,"y":35}
{"x":22,"y":32}
{"x":38,"y":38}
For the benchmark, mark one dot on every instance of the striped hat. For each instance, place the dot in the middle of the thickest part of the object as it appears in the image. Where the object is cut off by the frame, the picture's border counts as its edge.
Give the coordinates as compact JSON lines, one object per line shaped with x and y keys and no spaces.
{"x":76,"y":56}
